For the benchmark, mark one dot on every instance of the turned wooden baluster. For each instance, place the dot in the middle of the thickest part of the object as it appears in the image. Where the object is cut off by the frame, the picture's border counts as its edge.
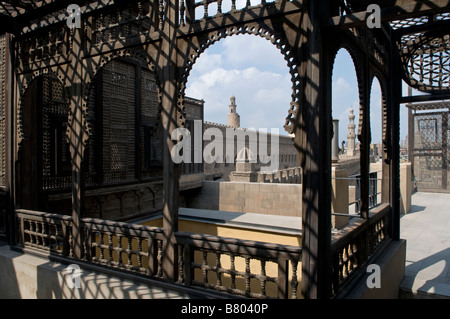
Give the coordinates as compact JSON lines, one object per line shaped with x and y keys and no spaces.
{"x":247,"y":274}
{"x":182,"y":12}
{"x":180,"y":264}
{"x":294,"y":282}
{"x":32,"y":241}
{"x":205,"y":7}
{"x":70,"y":243}
{"x":232,"y":270}
{"x":159,"y":259}
{"x":119,"y":243}
{"x":218,"y":266}
{"x":233,"y":5}
{"x":100,"y":246}
{"x":129,"y":251}
{"x":205,"y":263}
{"x":110,"y":248}
{"x":263,"y":274}
{"x":139,"y":255}
{"x":161,"y":14}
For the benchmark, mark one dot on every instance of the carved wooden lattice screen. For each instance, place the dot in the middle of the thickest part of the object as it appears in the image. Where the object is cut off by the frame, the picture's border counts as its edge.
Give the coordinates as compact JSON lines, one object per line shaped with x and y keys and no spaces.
{"x":56,"y":167}
{"x":431,"y":149}
{"x":119,"y":80}
{"x":150,"y":143}
{"x":3,"y":100}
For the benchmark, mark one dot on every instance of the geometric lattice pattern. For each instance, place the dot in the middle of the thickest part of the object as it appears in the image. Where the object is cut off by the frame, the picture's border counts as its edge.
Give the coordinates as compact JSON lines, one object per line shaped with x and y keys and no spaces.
{"x":431,"y":149}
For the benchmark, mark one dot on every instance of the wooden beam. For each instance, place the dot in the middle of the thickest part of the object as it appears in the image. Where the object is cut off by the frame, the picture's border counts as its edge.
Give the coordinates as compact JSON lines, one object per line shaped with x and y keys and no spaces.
{"x":401,"y":10}
{"x":424,"y":98}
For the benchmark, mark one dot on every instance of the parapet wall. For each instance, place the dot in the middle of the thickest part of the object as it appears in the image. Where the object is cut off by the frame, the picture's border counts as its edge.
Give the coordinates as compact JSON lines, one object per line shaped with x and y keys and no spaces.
{"x":262,"y":198}
{"x":288,"y":176}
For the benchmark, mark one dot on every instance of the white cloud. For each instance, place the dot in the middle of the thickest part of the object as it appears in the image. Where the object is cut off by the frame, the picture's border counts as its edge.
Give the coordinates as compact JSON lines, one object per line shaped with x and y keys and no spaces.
{"x":241,"y":51}
{"x":207,"y":62}
{"x":262,"y":97}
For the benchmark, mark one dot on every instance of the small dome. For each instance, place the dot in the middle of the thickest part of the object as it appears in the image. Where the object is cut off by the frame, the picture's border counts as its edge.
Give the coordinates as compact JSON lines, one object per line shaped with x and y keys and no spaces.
{"x":245,"y":155}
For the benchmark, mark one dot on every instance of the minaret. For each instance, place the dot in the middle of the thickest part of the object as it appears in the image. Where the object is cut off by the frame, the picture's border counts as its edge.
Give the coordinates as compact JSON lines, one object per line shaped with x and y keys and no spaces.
{"x":351,"y":136}
{"x":233,"y":118}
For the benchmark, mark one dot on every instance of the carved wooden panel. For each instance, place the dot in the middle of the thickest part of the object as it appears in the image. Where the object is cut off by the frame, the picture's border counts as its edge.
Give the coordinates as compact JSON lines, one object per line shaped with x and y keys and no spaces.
{"x":150,"y":141}
{"x":118,"y":122}
{"x":56,"y":165}
{"x":3,"y":101}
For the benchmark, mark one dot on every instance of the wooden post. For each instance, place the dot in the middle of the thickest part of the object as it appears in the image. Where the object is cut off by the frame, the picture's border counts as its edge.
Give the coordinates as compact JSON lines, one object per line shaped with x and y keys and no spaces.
{"x":283,"y":278}
{"x":313,"y":139}
{"x":444,"y":116}
{"x":76,"y":137}
{"x":395,"y":87}
{"x":10,"y":141}
{"x":168,"y":64}
{"x":365,"y":140}
{"x":411,"y":135}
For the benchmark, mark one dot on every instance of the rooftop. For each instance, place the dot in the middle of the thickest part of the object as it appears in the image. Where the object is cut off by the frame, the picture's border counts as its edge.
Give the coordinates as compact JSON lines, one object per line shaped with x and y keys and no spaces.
{"x":426,"y":230}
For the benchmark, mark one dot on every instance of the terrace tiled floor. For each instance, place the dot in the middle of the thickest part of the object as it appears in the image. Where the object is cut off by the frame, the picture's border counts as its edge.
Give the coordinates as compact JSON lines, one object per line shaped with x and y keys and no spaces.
{"x":427,"y":231}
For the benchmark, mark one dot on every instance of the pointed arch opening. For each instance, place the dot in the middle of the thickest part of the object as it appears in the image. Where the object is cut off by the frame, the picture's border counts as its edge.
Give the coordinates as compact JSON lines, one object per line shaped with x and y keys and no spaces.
{"x":346,"y":168}
{"x":44,"y":156}
{"x":249,"y":89}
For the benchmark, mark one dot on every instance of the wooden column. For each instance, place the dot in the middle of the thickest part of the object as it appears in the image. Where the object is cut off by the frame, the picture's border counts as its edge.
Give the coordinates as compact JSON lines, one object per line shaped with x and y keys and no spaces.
{"x":314,"y":141}
{"x":77,"y":80}
{"x":444,"y":149}
{"x":411,"y":135}
{"x":10,"y":139}
{"x":167,"y":64}
{"x":365,"y":139}
{"x":395,"y":90}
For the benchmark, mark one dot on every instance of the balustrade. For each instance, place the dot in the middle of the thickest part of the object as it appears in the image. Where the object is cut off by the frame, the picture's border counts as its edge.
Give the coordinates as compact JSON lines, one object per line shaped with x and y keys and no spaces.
{"x":191,"y":10}
{"x":246,"y":268}
{"x":47,"y":232}
{"x":356,"y":245}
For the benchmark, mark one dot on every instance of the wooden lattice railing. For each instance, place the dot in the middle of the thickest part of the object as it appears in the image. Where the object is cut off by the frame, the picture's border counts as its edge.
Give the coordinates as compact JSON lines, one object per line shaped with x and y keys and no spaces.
{"x":254,"y":269}
{"x":356,"y":244}
{"x":129,"y":247}
{"x":240,"y":267}
{"x":191,"y":10}
{"x":46,"y":232}
{"x":247,"y":268}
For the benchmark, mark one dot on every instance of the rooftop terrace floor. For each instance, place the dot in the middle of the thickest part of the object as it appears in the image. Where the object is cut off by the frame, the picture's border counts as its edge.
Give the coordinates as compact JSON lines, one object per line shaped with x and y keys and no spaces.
{"x":426,"y":229}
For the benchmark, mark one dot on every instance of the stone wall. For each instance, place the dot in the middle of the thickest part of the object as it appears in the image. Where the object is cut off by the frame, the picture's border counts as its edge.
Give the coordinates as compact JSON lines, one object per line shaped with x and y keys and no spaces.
{"x":287,"y":152}
{"x":267,"y":198}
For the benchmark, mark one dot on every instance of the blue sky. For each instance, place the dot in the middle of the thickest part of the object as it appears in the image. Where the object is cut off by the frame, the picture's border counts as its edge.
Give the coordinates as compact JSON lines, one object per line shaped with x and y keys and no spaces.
{"x":255,"y":72}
